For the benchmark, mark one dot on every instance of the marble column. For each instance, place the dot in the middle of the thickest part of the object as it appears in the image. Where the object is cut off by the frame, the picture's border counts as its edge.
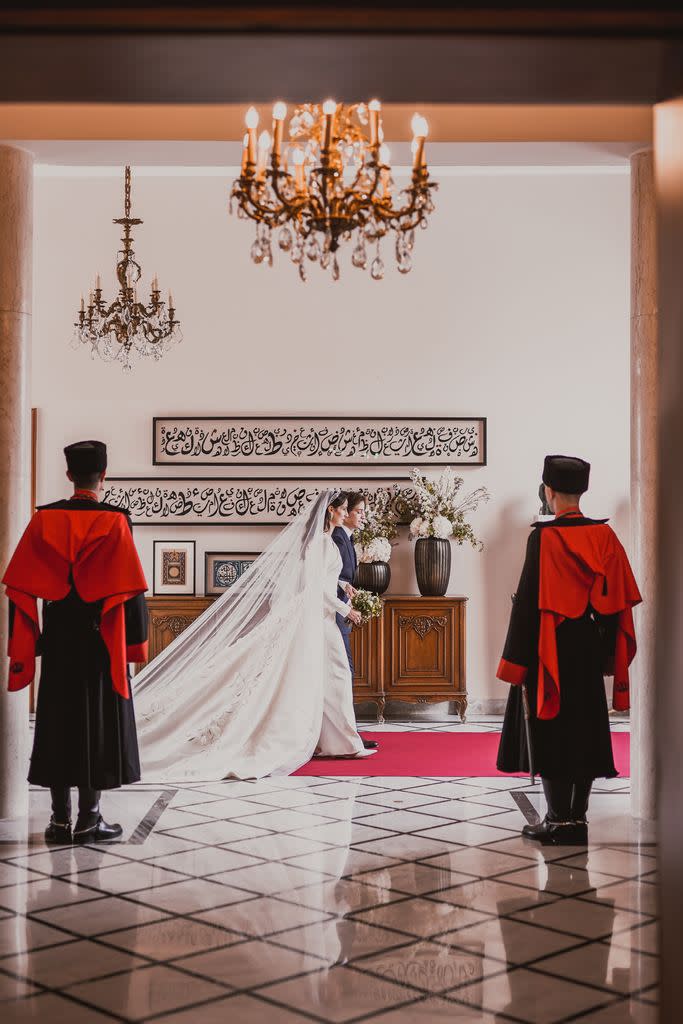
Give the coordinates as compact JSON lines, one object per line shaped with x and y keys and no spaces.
{"x":644,"y":419}
{"x":669,"y":179}
{"x":16,"y":271}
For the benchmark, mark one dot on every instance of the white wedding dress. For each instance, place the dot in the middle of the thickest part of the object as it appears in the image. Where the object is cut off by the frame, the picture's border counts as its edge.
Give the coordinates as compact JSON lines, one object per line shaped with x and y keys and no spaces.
{"x":261,"y":679}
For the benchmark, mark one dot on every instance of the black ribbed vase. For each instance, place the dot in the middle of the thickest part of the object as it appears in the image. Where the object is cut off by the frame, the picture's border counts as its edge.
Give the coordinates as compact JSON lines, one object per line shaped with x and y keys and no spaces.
{"x":432,"y":566}
{"x":373,"y":576}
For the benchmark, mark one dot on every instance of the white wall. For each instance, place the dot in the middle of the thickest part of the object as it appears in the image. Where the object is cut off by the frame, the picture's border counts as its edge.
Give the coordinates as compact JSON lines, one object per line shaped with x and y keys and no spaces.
{"x":517,"y":309}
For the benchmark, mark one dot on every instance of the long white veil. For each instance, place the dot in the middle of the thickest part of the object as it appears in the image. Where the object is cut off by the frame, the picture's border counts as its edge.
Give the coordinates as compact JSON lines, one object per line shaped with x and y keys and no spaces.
{"x":239,"y":694}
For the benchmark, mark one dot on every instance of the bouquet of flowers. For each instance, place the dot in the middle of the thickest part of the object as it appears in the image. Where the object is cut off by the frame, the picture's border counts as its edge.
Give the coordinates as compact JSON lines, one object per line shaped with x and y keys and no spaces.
{"x":437,"y":510}
{"x":369,"y":605}
{"x":373,"y":539}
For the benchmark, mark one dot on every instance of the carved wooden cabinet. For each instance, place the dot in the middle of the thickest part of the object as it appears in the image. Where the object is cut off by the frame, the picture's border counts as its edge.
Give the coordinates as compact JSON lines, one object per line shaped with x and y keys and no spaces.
{"x":169,"y":616}
{"x":424,"y":653}
{"x":415,"y":651}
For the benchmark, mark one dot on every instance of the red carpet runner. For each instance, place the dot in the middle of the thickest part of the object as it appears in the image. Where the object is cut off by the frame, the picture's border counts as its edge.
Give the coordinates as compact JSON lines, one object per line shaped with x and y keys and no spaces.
{"x":437,"y":753}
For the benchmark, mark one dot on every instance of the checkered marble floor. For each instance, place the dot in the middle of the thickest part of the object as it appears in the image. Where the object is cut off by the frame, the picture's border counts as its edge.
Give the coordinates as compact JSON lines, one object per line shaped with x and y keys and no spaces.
{"x":288,"y":900}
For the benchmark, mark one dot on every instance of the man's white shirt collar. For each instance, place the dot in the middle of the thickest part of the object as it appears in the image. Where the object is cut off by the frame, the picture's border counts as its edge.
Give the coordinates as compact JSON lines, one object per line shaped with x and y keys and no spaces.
{"x":349,"y":533}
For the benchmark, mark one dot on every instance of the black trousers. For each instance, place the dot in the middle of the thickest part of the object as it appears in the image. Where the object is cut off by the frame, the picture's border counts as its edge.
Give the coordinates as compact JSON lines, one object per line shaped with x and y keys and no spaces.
{"x":88,"y":804}
{"x":567,"y":799}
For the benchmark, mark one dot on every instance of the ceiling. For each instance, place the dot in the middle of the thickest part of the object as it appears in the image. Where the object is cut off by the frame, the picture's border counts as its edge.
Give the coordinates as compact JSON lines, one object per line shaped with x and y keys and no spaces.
{"x":51,"y":155}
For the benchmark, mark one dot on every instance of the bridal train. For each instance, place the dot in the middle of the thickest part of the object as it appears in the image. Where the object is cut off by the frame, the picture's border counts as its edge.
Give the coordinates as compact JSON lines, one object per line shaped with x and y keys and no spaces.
{"x":260,"y":679}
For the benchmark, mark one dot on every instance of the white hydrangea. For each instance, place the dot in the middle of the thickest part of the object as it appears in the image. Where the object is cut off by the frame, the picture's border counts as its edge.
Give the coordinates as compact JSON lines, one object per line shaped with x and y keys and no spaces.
{"x":379,"y":550}
{"x":415,"y":527}
{"x":425,"y":528}
{"x":443,"y":527}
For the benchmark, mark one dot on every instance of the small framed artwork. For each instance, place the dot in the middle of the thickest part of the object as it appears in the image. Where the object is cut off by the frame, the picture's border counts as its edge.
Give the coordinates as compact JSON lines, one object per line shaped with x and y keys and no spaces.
{"x":174,"y":567}
{"x":222,"y":569}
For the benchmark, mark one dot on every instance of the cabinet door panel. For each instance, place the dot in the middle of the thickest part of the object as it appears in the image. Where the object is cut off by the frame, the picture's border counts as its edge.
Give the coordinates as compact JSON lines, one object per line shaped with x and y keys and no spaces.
{"x":366,"y":651}
{"x":425,"y":653}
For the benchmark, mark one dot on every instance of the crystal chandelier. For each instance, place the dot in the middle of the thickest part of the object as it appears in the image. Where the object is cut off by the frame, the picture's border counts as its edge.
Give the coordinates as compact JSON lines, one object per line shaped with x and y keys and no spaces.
{"x":330,"y":183}
{"x":126,"y":327}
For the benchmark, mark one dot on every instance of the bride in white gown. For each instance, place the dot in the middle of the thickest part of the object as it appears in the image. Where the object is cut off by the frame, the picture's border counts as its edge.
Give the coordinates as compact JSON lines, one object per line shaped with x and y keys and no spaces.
{"x":260,"y":681}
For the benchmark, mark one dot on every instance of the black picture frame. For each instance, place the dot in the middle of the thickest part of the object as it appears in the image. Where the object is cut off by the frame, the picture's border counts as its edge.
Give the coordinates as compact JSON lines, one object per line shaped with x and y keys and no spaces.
{"x":169,"y":544}
{"x":156,"y":484}
{"x":329,"y":464}
{"x":228,"y":556}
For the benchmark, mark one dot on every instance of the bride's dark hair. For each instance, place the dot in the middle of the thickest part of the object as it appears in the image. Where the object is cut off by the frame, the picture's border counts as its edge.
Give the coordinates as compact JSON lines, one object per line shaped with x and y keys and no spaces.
{"x":336,"y":502}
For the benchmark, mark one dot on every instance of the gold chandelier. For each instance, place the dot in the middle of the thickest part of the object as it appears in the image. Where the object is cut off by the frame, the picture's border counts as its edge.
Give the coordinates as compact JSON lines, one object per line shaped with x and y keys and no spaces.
{"x":332,"y":181}
{"x":125,"y":327}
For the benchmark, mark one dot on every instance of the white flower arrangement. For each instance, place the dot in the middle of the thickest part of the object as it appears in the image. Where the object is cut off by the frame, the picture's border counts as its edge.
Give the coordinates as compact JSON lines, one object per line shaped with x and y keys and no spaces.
{"x":438,"y":511}
{"x":378,"y":550}
{"x":373,"y":539}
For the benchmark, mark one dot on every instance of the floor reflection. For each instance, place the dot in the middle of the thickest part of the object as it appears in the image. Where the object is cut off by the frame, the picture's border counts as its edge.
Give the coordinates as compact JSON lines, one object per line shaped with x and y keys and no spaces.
{"x":387,"y":901}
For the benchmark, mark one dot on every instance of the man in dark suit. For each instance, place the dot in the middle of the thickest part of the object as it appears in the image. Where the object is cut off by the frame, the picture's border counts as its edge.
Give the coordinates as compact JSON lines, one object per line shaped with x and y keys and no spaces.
{"x":343,"y":538}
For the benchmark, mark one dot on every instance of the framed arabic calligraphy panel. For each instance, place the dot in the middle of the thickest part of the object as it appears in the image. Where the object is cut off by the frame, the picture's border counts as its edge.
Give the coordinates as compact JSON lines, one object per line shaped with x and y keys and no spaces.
{"x":174,"y":571}
{"x":209,"y":501}
{"x":223,"y":569}
{"x":321,"y":441}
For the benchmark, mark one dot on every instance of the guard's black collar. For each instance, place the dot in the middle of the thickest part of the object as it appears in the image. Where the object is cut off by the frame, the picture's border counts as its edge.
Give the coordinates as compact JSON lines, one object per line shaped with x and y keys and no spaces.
{"x":565,"y":521}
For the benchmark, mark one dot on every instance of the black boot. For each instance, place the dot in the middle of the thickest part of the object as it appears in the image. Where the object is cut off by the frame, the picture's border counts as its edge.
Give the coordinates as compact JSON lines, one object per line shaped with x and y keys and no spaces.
{"x":580,"y":796}
{"x":91,"y":826}
{"x":573,"y":829}
{"x":558,"y":795}
{"x":58,"y":832}
{"x":578,"y":835}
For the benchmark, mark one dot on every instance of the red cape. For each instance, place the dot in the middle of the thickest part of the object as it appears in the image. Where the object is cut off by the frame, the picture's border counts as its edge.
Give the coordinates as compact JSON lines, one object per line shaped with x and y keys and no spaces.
{"x":581,"y":566}
{"x":94,"y":552}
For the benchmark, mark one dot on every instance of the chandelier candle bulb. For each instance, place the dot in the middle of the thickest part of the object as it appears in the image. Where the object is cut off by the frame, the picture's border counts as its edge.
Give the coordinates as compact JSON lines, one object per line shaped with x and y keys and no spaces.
{"x":374,"y":106}
{"x":263,"y":148}
{"x":251,"y":121}
{"x":299,"y":179}
{"x":279,"y":114}
{"x":420,"y":130}
{"x":385,"y":173}
{"x":329,"y":110}
{"x":245,"y":152}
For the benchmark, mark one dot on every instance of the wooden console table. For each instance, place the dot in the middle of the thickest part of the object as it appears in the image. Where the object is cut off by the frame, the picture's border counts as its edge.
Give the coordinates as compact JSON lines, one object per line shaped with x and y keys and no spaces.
{"x":415,"y":651}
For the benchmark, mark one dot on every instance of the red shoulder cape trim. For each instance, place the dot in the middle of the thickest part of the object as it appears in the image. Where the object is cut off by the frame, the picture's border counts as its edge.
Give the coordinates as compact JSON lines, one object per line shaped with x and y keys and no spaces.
{"x":92,"y":550}
{"x":579,"y":567}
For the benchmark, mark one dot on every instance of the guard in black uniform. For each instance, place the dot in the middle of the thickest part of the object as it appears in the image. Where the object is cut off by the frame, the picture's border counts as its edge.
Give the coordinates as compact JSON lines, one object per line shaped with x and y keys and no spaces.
{"x":78,"y":556}
{"x":571,"y":624}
